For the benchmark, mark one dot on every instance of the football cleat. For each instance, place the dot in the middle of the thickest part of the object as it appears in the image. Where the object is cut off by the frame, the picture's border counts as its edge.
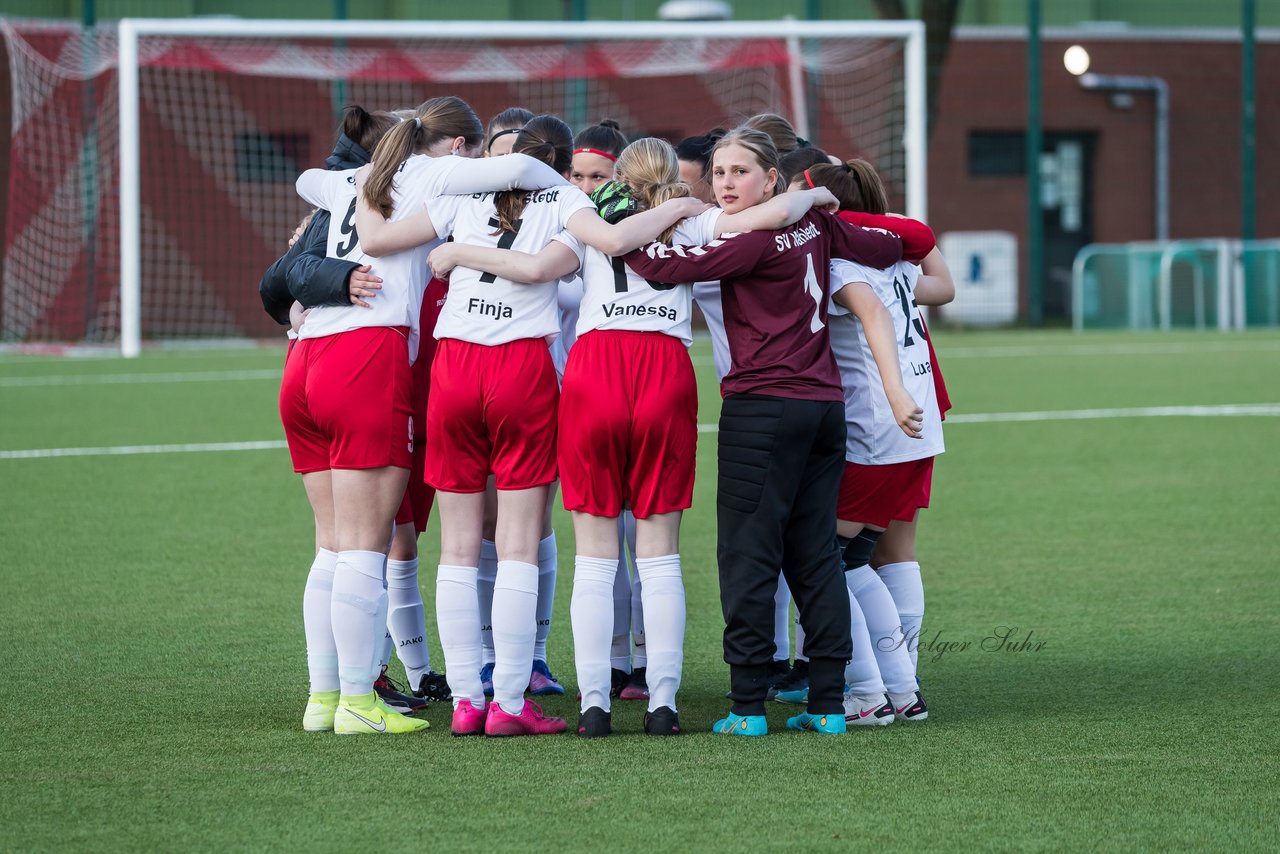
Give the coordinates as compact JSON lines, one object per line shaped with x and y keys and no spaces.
{"x":400,"y":701}
{"x":321,"y":707}
{"x":831,"y":724}
{"x":793,"y":689}
{"x":369,"y":715}
{"x":530,"y":721}
{"x":595,"y":722}
{"x":541,"y":682}
{"x":779,"y":670}
{"x":433,"y":687}
{"x":467,"y":719}
{"x":749,"y":725}
{"x":662,"y":721}
{"x":867,"y":711}
{"x":909,"y":707}
{"x":637,"y":688}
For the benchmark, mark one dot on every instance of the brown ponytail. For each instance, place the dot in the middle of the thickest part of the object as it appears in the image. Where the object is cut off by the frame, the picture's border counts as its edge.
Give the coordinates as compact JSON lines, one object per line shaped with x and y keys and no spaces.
{"x":544,"y":138}
{"x":855,"y":183}
{"x":434,"y":120}
{"x":367,"y":129}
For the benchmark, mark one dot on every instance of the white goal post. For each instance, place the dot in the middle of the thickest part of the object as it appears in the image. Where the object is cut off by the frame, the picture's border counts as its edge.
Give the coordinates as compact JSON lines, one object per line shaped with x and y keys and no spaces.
{"x":795,"y":33}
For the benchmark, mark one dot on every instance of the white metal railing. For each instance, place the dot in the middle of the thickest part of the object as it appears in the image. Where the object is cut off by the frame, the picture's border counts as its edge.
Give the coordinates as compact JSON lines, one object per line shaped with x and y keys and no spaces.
{"x":1229,"y":284}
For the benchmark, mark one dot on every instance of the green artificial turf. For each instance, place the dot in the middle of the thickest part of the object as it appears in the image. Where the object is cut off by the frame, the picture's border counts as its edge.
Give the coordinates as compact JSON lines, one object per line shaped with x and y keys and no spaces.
{"x":155,"y":672}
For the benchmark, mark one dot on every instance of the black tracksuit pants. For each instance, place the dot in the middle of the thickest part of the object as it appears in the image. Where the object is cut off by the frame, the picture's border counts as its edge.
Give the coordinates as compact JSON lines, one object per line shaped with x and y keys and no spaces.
{"x":780,"y":462}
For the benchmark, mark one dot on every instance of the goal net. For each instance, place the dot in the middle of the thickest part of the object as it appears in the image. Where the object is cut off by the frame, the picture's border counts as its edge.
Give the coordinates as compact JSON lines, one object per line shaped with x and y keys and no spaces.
{"x":151,"y":166}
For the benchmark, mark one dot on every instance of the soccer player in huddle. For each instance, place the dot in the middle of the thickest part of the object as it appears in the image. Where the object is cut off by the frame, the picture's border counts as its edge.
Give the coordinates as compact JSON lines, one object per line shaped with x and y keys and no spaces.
{"x":494,"y":332}
{"x":782,"y":432}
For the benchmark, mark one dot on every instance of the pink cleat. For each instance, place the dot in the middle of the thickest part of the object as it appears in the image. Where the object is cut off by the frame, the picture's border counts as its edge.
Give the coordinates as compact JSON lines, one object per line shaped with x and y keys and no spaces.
{"x":531,"y":721}
{"x":467,"y":719}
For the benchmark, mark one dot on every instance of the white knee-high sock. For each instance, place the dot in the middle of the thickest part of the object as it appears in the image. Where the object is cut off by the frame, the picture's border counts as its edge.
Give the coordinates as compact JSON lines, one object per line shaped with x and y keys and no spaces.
{"x":548,"y":560}
{"x":591,"y":614}
{"x":782,"y":620}
{"x":620,"y":650}
{"x":487,"y":572}
{"x":664,"y":608}
{"x":884,"y":628}
{"x":905,"y":586}
{"x":407,"y":620}
{"x":515,"y":625}
{"x":862,"y":674}
{"x":317,"y":622}
{"x":359,"y":614}
{"x":458,"y":621}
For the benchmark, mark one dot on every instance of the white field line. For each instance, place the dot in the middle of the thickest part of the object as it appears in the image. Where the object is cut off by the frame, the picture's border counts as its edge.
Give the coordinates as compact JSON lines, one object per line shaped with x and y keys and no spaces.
{"x":1264,"y":409}
{"x":959,"y":352}
{"x":1246,"y":409}
{"x":131,"y":450}
{"x":131,"y":379}
{"x":1060,"y":350}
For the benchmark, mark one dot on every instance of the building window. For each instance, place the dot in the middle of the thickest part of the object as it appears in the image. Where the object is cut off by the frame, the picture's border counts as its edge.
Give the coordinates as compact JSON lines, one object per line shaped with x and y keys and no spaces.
{"x":997,"y":153}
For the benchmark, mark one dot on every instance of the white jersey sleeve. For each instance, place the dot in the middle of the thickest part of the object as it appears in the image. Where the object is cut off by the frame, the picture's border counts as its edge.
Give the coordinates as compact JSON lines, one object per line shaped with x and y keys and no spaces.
{"x":873,"y":436}
{"x":486,"y":309}
{"x":404,"y":274}
{"x":700,"y":230}
{"x":616,"y":297}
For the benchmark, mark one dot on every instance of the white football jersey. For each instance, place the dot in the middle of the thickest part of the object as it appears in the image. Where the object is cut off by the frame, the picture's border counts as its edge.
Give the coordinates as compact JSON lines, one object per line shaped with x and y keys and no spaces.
{"x":874,"y":437}
{"x":404,"y":274}
{"x":707,"y":296}
{"x":486,"y":309}
{"x":616,"y":297}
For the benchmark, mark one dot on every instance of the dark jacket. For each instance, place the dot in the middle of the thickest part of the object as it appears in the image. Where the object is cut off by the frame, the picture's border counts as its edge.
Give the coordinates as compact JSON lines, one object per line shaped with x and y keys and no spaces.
{"x":304,"y":273}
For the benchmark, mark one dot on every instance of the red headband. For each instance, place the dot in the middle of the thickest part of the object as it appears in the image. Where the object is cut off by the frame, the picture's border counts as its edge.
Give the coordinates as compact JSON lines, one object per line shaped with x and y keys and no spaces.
{"x":603,"y":154}
{"x":809,"y":180}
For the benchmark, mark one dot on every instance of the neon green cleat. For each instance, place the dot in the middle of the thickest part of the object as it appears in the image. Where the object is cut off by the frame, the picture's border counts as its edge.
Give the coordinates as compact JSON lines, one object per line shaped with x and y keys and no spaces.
{"x":368,"y":715}
{"x":318,"y":716}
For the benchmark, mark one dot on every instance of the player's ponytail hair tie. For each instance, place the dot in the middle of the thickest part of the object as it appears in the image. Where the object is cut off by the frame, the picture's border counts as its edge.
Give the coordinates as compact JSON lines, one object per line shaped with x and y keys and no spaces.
{"x":809,"y":180}
{"x":417,"y":122}
{"x":801,"y":142}
{"x":603,"y":154}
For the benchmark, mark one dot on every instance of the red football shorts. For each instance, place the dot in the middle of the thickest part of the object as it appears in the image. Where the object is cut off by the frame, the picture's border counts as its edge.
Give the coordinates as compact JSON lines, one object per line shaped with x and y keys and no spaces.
{"x":491,"y":409}
{"x":345,"y":401}
{"x":418,"y":498}
{"x":628,"y":424}
{"x":877,"y":495}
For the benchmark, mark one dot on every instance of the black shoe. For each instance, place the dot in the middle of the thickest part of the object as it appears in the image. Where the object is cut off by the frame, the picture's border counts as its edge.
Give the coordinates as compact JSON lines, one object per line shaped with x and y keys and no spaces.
{"x":594,"y":723}
{"x":395,"y":698}
{"x":794,"y":687}
{"x":664,"y":721}
{"x":434,"y":687}
{"x":779,"y":670}
{"x":618,"y":680}
{"x":637,"y":687}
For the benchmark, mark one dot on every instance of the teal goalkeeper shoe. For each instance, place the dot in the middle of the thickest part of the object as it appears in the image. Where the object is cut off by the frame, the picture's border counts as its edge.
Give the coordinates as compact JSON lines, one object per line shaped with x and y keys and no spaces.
{"x":833,"y":724}
{"x":753,"y":725}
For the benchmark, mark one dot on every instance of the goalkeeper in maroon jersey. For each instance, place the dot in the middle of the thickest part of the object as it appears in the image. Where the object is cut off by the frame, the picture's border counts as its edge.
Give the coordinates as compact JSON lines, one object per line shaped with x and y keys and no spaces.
{"x":782,"y":430}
